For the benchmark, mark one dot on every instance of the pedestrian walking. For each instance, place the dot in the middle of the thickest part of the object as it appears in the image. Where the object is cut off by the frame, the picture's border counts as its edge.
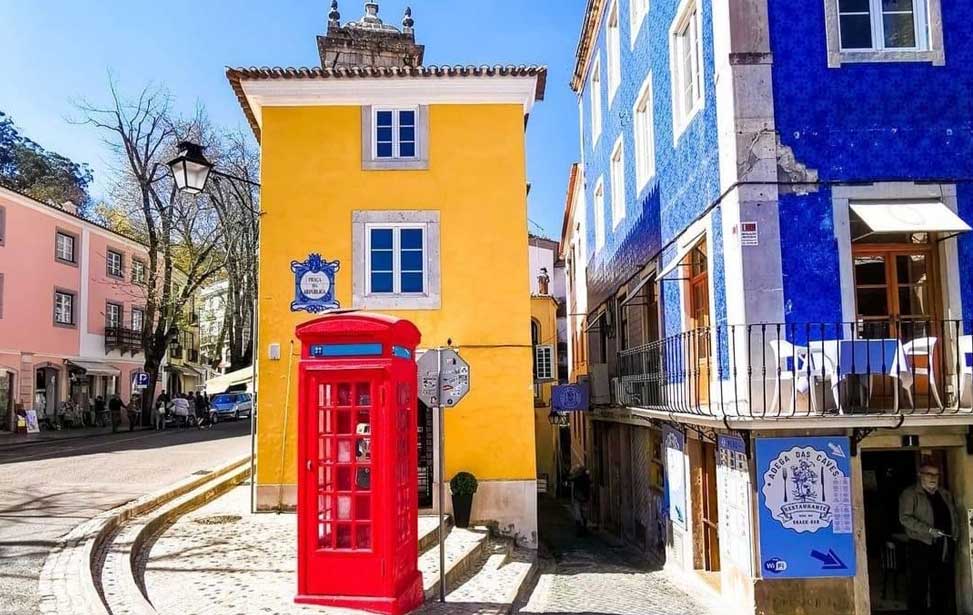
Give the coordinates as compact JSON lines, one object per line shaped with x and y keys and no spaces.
{"x":180,"y":408}
{"x":202,"y":413}
{"x":580,"y":494}
{"x":115,"y":405}
{"x":159,"y":415}
{"x":100,"y":412}
{"x":134,"y":413}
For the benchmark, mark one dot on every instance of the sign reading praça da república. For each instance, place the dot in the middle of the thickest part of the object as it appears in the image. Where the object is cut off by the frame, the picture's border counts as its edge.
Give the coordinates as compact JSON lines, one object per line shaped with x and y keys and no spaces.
{"x":804,"y":491}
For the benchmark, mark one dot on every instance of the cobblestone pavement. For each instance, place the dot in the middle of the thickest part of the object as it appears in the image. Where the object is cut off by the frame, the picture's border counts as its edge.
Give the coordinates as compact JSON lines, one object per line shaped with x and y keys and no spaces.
{"x":48,"y":488}
{"x":587,"y":575}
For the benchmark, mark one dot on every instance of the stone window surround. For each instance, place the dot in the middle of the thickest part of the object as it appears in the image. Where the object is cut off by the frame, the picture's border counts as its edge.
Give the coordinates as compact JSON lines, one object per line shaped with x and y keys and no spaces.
{"x":431,"y":299}
{"x":121,"y":313}
{"x":74,"y":308}
{"x":596,"y":111}
{"x":936,"y":54}
{"x":617,"y":177}
{"x":74,"y":246}
{"x":681,"y":122}
{"x":371,"y":163}
{"x":598,"y":196}
{"x":843,"y":196}
{"x":121,"y":263}
{"x":140,"y":310}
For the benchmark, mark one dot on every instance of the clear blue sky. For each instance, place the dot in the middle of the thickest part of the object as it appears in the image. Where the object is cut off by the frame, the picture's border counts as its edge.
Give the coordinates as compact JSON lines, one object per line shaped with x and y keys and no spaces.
{"x":57,"y":51}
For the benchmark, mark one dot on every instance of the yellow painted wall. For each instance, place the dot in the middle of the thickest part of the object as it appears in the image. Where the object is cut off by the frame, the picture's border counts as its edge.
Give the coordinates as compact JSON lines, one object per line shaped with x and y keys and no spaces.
{"x":312,"y":181}
{"x":543,"y":310}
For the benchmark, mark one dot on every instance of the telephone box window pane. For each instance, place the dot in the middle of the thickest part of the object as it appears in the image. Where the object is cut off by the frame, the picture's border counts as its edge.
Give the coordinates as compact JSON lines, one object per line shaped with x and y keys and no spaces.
{"x":344,"y":422}
{"x":363,"y":479}
{"x":344,"y":395}
{"x":363,"y":507}
{"x":325,"y":421}
{"x":344,"y":451}
{"x":364,"y":537}
{"x":343,"y":536}
{"x":363,"y":394}
{"x":364,"y":449}
{"x":326,"y":449}
{"x":344,"y":507}
{"x":326,"y":478}
{"x":344,"y":478}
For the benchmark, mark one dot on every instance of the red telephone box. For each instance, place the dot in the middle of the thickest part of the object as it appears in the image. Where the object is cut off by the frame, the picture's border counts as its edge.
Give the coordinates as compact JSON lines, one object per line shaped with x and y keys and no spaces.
{"x":357,"y":506}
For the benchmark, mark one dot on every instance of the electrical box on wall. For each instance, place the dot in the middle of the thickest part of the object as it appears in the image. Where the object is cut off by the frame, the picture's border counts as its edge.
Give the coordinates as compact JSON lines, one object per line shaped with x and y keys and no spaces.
{"x":273,"y":352}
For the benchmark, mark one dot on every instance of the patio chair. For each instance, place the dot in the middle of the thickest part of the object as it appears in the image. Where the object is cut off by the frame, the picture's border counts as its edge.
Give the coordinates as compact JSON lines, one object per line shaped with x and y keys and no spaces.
{"x":923,"y":347}
{"x":793,"y":364}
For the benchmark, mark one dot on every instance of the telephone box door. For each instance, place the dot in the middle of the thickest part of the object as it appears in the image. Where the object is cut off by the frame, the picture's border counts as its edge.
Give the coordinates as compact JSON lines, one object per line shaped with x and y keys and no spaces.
{"x":341,"y":487}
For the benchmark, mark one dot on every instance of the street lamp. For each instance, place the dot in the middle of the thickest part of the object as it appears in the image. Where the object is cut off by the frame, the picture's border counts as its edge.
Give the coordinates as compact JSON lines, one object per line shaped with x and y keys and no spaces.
{"x":190,"y":168}
{"x":558,"y":419}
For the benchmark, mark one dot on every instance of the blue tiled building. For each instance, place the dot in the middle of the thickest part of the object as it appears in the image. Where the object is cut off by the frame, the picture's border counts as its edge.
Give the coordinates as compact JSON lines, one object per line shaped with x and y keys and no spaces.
{"x":777,"y":205}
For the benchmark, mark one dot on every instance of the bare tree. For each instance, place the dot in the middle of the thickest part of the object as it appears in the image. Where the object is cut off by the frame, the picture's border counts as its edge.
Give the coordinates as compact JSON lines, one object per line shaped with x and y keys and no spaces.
{"x":236,"y":205}
{"x":183,"y":233}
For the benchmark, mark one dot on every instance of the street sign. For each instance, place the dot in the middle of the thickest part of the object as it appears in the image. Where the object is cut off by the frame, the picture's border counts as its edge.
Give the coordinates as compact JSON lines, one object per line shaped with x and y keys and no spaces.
{"x":806,"y":521}
{"x":140,"y":380}
{"x":444,"y":377}
{"x":570,"y":397}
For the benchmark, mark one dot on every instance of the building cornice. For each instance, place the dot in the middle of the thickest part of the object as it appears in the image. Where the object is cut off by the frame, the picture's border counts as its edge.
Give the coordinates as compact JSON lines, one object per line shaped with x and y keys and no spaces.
{"x":257,"y":88}
{"x":589,"y":34}
{"x":569,"y":204}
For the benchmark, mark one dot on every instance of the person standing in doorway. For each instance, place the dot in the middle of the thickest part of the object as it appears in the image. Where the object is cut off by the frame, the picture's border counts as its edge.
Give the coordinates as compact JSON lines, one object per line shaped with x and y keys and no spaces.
{"x":115,"y":406}
{"x":928,"y":514}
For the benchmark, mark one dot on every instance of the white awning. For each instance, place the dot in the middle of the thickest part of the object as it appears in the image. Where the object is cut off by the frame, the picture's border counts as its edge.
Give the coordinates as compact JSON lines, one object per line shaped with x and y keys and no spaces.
{"x":632,"y":294}
{"x":222,"y":383}
{"x":95,"y":368}
{"x":894,"y":217}
{"x":681,"y":254}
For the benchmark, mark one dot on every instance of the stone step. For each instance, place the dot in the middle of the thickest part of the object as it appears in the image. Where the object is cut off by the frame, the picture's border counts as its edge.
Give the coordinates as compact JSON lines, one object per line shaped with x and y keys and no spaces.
{"x":463,"y":550}
{"x":429,"y":531}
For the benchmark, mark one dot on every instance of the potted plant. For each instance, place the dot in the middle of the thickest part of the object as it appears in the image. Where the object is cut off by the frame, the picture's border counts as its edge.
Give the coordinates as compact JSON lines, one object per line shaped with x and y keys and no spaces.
{"x":462,"y":487}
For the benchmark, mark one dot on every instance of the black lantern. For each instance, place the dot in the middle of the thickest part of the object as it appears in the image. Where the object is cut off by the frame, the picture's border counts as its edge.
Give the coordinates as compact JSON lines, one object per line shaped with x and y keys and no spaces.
{"x":190,"y":168}
{"x":558,"y":419}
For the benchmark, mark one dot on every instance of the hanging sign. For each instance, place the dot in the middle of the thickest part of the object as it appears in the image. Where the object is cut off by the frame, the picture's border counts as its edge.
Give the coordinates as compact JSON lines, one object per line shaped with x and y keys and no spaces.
{"x":806,"y":523}
{"x":314,"y":282}
{"x":570,"y":397}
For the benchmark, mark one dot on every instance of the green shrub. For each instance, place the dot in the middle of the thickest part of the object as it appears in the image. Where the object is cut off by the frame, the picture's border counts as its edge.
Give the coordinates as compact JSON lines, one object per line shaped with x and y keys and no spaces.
{"x":463,"y":483}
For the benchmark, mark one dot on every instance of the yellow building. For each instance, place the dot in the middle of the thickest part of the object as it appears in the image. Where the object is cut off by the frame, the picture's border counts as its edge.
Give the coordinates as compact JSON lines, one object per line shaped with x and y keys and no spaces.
{"x":413,"y":178}
{"x":543,"y":254}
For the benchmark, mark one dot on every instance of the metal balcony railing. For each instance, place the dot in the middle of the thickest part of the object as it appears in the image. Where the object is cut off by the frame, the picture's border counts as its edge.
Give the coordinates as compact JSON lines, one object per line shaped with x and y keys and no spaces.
{"x":125,"y":340}
{"x":774,"y":370}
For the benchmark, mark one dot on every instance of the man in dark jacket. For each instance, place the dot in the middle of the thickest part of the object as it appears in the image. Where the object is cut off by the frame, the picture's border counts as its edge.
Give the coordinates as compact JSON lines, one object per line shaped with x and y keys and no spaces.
{"x":929,"y":516}
{"x":115,"y":406}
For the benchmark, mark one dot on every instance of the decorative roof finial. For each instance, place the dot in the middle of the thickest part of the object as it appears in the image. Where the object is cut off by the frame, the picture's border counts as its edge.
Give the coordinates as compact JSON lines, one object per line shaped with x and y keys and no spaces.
{"x":407,"y":21}
{"x":334,"y":17}
{"x":371,"y":13}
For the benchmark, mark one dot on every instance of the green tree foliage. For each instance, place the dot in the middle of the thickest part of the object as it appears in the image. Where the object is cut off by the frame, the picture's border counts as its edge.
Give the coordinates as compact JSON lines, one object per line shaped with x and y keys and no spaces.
{"x":47,"y":176}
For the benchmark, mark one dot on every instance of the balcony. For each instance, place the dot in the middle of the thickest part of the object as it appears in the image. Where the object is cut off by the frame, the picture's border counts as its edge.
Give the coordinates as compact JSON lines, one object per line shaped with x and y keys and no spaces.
{"x":122,"y":339}
{"x":874,"y":372}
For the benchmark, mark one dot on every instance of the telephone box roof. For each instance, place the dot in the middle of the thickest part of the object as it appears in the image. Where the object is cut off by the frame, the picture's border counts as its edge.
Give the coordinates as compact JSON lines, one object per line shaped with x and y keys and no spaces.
{"x":355,"y":323}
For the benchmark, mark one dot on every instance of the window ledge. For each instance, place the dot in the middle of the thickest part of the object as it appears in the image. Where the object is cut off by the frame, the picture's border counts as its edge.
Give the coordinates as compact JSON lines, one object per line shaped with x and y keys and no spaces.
{"x":396,"y":302}
{"x":395,"y":165}
{"x":682,"y":124}
{"x":935,"y":56}
{"x":64,"y":325}
{"x":64,"y":261}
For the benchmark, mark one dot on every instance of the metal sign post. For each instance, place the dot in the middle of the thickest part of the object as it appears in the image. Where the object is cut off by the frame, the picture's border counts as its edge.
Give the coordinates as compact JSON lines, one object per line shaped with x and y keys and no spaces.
{"x":444,"y":379}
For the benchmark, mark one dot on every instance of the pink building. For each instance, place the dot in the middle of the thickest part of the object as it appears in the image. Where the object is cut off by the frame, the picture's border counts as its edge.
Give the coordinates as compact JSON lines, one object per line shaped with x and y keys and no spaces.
{"x":71,"y":306}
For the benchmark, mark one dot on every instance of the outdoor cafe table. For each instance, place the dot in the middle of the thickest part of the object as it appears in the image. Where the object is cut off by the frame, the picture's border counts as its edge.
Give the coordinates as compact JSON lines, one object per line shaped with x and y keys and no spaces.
{"x":862,"y":357}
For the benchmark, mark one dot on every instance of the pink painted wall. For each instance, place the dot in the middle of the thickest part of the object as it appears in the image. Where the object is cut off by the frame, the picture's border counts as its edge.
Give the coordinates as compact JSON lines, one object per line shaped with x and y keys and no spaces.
{"x":30,"y":276}
{"x":103,"y":288}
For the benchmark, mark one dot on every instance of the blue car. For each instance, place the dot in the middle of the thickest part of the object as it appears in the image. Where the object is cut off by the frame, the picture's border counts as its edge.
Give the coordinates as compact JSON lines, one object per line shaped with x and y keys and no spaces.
{"x":231,"y":405}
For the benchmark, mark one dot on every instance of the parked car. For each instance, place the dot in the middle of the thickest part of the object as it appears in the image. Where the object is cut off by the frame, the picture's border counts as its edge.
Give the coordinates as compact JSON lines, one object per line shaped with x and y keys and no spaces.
{"x":231,"y":405}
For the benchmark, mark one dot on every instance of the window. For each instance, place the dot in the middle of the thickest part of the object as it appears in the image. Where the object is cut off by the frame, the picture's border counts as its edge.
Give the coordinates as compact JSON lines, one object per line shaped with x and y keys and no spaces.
{"x":138,"y":319}
{"x":613,"y":49}
{"x":882,"y":24}
{"x":596,"y":102}
{"x":397,"y":255}
{"x":113,"y":315}
{"x":884,"y":31}
{"x":544,"y":362}
{"x":618,"y":183}
{"x":644,"y":135}
{"x":395,"y":134}
{"x":63,"y":308}
{"x":64,"y":247}
{"x":138,"y":271}
{"x":638,"y":9}
{"x":114,"y":260}
{"x":686,"y":57}
{"x":599,"y":214}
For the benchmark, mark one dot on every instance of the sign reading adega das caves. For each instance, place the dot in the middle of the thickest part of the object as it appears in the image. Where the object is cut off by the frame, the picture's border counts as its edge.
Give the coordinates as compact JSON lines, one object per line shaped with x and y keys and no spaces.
{"x":804,"y":491}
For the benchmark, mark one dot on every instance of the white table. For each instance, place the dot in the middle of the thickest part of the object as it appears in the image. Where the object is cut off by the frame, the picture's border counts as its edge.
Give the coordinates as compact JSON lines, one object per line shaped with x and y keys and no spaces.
{"x":862,"y":357}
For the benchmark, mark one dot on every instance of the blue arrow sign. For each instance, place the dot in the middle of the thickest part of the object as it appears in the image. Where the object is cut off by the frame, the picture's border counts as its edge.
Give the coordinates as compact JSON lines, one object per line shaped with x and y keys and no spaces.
{"x":829,"y":560}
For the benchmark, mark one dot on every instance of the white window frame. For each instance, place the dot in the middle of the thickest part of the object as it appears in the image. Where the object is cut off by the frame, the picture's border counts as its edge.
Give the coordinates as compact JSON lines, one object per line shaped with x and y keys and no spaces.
{"x":108,"y":263}
{"x":688,"y":22}
{"x":138,"y":271}
{"x":60,"y":306}
{"x":120,"y":314}
{"x":58,"y":251}
{"x":595,"y":87}
{"x":929,"y":36}
{"x":613,"y":50}
{"x":616,"y":166}
{"x":637,"y":9}
{"x":644,"y":128}
{"x":396,"y":258}
{"x":141,"y":314}
{"x":363,"y":221}
{"x":599,"y":206}
{"x":396,"y":137}
{"x":544,"y":357}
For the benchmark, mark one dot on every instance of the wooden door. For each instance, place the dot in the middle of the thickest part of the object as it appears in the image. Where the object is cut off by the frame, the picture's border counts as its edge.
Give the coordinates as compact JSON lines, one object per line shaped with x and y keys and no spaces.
{"x":710,"y":509}
{"x":698,"y":344}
